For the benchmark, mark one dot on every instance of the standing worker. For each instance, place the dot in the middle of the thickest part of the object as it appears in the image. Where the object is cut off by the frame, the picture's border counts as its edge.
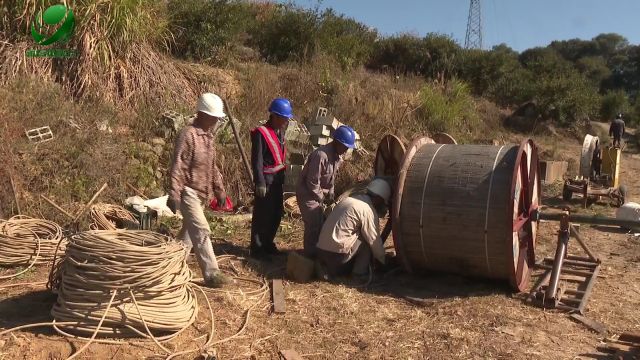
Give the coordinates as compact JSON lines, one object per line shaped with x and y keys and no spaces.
{"x":616,"y":130}
{"x":195,"y":178}
{"x":350,"y":236}
{"x":316,"y":184}
{"x":268,"y":163}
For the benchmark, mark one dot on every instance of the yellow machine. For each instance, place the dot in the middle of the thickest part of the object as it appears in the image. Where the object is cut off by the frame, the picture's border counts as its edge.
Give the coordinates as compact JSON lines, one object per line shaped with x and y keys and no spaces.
{"x":599,"y":174}
{"x":611,"y":165}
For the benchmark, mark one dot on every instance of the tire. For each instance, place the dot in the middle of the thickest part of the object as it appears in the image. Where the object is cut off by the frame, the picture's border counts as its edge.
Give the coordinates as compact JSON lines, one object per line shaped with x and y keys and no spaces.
{"x":567,"y":194}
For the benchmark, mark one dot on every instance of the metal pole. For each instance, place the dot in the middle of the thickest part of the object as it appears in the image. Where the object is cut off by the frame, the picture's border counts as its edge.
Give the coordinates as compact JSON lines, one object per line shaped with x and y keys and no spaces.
{"x":561,"y":249}
{"x":584,"y":246}
{"x":587,"y":219}
{"x":235,"y":134}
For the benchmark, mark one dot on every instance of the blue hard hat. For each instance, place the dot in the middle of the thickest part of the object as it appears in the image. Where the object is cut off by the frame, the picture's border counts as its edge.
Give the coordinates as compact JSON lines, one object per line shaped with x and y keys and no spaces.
{"x":346,"y":136}
{"x":281,"y":107}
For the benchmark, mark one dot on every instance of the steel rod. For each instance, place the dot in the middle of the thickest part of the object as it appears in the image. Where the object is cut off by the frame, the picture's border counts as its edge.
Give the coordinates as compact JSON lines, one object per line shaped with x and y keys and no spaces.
{"x":587,"y":219}
{"x":584,"y":246}
{"x":567,"y":261}
{"x":587,"y":291}
{"x":561,"y":248}
{"x":569,"y":271}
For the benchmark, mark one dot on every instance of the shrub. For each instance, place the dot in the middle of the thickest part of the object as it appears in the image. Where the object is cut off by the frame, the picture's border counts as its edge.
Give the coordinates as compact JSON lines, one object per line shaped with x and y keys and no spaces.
{"x":447,"y":107}
{"x":345,"y":39}
{"x":614,"y":102}
{"x":203,"y":30}
{"x":286,"y":33}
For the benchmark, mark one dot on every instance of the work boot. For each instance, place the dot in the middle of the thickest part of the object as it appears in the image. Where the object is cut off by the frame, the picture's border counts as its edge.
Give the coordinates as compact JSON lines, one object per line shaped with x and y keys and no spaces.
{"x":321,"y":271}
{"x":217,"y":279}
{"x":271,"y":249}
{"x":259,"y":253}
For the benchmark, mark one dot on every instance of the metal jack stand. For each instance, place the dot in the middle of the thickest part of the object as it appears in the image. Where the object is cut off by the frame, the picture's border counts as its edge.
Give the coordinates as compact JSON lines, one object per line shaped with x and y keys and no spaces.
{"x":549,"y":291}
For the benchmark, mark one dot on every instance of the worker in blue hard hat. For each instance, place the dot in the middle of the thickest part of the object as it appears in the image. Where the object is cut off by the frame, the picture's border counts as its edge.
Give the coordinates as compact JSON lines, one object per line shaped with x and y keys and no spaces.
{"x":268,"y":164}
{"x":317,"y":182}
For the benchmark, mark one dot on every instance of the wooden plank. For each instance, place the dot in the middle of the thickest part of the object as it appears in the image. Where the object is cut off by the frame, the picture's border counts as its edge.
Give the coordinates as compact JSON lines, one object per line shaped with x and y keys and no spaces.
{"x":591,"y":324}
{"x":290,"y":355}
{"x":277,"y":292}
{"x":633,"y":337}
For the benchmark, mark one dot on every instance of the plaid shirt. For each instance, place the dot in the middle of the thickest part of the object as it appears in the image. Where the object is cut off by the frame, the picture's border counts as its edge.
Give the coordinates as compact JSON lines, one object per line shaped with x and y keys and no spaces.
{"x":194,"y":165}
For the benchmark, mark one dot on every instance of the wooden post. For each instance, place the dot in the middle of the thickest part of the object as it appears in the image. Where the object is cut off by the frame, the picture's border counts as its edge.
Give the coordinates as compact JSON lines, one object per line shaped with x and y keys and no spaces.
{"x":245,"y":160}
{"x":277,"y":290}
{"x":86,"y":207}
{"x":57,"y":207}
{"x":15,"y":194}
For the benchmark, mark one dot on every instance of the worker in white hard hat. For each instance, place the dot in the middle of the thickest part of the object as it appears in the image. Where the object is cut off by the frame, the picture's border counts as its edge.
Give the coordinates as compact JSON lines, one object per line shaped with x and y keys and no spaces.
{"x":195,"y":179}
{"x":350,"y":237}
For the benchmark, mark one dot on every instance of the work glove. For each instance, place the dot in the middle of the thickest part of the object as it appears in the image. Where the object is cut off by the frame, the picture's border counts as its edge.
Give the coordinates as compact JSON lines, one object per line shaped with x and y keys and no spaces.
{"x":172,"y":204}
{"x":261,"y":191}
{"x":222,"y":200}
{"x":329,"y":199}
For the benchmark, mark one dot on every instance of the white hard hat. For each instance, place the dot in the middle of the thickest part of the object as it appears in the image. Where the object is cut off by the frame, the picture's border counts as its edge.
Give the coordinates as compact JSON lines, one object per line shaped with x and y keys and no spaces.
{"x":211,"y":104}
{"x":381,"y":188}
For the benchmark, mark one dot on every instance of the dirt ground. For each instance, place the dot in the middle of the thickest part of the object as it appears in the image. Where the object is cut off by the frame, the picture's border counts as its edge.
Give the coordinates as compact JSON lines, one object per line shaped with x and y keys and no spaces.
{"x":458,"y":318}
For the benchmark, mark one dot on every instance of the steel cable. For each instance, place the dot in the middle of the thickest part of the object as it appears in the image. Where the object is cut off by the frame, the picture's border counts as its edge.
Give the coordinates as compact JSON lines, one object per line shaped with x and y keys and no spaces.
{"x":110,"y":217}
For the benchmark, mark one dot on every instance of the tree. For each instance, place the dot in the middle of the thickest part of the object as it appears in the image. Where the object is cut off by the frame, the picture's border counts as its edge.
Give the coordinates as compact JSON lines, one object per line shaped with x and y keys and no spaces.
{"x":345,"y":39}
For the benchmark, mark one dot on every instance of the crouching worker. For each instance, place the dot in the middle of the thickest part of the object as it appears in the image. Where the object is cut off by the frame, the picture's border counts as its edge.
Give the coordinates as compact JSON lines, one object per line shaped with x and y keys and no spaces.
{"x":195,"y":177}
{"x":350,"y":237}
{"x":316,"y":184}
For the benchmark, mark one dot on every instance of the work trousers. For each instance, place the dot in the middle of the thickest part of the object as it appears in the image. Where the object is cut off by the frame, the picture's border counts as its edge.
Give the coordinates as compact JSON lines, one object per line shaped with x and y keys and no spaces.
{"x":195,"y":233}
{"x":355,"y":261}
{"x":267,"y":214}
{"x":617,"y":140}
{"x":313,"y":218}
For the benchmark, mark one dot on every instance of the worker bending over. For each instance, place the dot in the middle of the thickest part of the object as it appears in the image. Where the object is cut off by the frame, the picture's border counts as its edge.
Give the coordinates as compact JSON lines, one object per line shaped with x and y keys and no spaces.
{"x":351,"y":233}
{"x":316,"y":184}
{"x":268,"y":163}
{"x":616,"y":130}
{"x":195,"y":178}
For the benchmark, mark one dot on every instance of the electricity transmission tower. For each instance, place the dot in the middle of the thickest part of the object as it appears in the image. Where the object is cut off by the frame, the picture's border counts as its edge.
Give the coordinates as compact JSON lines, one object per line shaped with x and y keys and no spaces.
{"x":473,"y":40}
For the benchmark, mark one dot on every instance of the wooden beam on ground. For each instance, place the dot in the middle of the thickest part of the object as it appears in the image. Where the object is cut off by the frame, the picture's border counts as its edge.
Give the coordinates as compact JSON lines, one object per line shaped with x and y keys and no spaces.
{"x":277,"y":292}
{"x":591,"y":324}
{"x":289,"y":355}
{"x":632,"y":337}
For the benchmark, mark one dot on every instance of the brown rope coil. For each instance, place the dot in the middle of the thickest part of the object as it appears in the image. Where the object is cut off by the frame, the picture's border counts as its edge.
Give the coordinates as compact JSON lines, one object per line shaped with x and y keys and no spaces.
{"x":145,"y":275}
{"x":111,"y":217}
{"x":25,"y":241}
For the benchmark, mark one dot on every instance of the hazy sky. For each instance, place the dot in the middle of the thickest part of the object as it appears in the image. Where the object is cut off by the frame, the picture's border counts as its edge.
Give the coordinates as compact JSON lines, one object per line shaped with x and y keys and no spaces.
{"x":520,"y":24}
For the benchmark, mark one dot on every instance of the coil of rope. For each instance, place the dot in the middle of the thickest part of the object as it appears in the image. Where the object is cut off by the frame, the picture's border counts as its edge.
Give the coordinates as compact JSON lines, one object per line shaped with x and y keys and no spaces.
{"x":145,"y":276}
{"x":110,"y":217}
{"x":26,"y":241}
